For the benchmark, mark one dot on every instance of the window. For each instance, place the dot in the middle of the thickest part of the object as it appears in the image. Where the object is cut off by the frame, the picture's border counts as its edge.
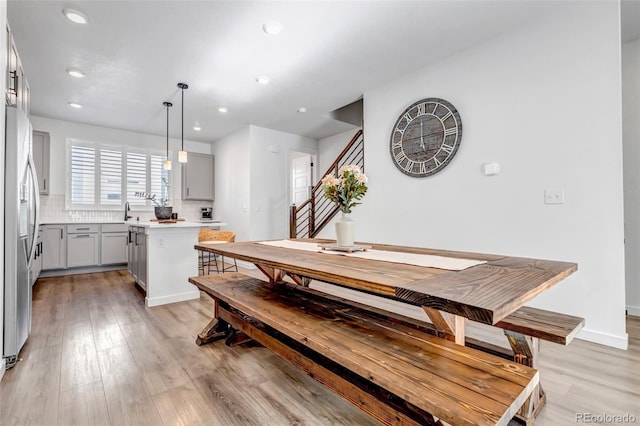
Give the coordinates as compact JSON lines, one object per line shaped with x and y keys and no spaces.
{"x":105,"y":177}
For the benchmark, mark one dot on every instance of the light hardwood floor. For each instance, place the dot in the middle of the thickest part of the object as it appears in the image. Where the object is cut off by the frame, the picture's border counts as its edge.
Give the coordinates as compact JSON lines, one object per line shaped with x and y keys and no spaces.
{"x":97,"y":356}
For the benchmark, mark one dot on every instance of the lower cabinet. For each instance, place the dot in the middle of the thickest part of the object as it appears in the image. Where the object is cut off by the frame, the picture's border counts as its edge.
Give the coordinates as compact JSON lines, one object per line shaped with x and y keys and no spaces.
{"x":114,"y":243}
{"x":54,"y":247}
{"x":137,"y":255}
{"x":83,"y":245}
{"x":82,"y":250}
{"x":36,"y":263}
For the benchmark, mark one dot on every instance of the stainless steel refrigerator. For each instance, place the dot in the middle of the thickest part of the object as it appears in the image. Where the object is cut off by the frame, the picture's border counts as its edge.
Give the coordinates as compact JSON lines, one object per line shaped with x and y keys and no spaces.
{"x":21,"y":221}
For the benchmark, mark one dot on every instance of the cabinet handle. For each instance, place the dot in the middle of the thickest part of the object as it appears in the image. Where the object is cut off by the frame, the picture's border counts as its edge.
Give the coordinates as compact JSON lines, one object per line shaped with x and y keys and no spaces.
{"x":82,"y":229}
{"x":60,"y":233}
{"x":187,"y":192}
{"x":82,"y":236}
{"x":44,"y":185}
{"x":14,"y":76}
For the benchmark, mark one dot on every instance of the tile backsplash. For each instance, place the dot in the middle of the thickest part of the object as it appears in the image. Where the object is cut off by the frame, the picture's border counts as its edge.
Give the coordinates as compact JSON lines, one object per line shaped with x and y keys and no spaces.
{"x":52,"y":210}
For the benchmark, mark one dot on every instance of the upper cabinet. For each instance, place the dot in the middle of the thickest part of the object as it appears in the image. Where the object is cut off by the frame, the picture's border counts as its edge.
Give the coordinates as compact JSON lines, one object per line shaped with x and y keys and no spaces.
{"x":198,"y":177}
{"x":41,"y":158}
{"x":18,"y":93}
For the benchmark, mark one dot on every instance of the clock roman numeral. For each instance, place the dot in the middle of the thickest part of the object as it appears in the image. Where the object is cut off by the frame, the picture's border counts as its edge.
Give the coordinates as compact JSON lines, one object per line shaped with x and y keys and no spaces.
{"x":407,"y":117}
{"x":409,"y":166}
{"x":447,"y":115}
{"x":447,"y":148}
{"x":397,"y":144}
{"x":400,"y":157}
{"x":401,"y":131}
{"x":423,"y":167}
{"x":422,"y":109}
{"x":437,"y":162}
{"x":451,"y":131}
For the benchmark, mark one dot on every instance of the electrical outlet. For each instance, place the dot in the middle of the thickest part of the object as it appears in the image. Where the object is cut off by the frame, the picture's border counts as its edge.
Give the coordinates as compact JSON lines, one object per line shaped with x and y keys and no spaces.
{"x":554,"y":196}
{"x":160,"y":243}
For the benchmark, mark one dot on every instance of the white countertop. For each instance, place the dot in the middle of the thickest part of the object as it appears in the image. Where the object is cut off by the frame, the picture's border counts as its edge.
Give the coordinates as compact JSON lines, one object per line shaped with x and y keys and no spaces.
{"x":183,"y":224}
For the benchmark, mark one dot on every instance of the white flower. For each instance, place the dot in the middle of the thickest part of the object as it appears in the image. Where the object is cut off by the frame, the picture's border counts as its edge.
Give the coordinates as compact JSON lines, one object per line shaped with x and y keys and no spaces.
{"x":361,"y":178}
{"x":353,"y":168}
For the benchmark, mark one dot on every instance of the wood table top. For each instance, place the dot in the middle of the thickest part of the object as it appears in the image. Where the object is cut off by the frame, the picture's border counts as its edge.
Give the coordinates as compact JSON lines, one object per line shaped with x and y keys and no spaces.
{"x":485,"y":293}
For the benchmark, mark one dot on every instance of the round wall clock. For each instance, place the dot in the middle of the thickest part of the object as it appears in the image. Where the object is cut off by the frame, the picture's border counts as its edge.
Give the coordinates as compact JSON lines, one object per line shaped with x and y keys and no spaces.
{"x":426,"y":137}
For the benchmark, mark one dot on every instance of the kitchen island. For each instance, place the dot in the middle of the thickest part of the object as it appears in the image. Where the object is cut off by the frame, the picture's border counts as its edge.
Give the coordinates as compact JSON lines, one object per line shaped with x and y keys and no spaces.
{"x":161,"y":259}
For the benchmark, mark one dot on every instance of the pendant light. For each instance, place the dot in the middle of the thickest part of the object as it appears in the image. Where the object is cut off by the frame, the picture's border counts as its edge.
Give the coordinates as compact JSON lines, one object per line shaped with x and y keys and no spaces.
{"x":167,"y":162}
{"x":182,"y":154}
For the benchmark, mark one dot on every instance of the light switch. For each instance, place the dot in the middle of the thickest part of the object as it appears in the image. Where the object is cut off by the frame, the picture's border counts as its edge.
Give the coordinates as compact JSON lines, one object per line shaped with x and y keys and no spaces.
{"x":554,"y":196}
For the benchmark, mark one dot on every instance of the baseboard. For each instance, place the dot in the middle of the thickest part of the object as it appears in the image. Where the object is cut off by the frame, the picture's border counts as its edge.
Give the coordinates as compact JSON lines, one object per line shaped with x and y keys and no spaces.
{"x":3,"y":365}
{"x":633,"y":310}
{"x":613,"y":340}
{"x":81,"y":270}
{"x":180,"y":297}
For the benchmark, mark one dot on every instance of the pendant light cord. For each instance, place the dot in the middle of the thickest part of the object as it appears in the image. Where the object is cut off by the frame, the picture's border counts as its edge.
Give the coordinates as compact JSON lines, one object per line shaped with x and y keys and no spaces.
{"x":182,"y":119}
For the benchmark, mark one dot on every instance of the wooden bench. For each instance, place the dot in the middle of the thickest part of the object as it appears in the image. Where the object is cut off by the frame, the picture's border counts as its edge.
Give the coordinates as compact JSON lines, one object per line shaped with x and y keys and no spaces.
{"x":523,"y":328}
{"x":391,"y":370}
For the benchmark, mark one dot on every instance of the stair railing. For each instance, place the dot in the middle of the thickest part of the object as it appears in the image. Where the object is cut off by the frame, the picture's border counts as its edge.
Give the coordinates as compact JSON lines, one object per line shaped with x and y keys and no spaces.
{"x":307,"y":219}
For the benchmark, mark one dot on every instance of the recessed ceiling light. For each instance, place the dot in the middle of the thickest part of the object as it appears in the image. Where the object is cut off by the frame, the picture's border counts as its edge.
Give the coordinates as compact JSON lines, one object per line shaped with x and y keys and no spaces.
{"x":197,"y":128}
{"x":264,"y":80}
{"x":75,"y":16}
{"x":302,"y":109}
{"x":75,"y":72}
{"x":272,"y":27}
{"x":75,"y":105}
{"x":222,"y":109}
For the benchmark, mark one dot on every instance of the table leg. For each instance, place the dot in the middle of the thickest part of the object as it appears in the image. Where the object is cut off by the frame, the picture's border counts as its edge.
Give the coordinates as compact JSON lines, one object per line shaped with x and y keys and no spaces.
{"x":452,"y":326}
{"x":274,"y":275}
{"x":216,"y":329}
{"x":302,"y":281}
{"x":526,"y":351}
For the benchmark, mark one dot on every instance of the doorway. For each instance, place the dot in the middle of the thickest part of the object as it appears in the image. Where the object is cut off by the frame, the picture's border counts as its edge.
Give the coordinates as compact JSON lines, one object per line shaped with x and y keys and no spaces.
{"x":301,"y":176}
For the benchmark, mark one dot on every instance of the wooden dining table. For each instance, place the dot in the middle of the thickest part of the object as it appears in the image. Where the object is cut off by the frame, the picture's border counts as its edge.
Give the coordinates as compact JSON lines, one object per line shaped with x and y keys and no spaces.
{"x":486,"y":292}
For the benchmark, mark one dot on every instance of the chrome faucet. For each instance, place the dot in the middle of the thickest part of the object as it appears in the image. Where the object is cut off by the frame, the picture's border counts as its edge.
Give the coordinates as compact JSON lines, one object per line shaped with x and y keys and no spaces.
{"x":127,"y":209}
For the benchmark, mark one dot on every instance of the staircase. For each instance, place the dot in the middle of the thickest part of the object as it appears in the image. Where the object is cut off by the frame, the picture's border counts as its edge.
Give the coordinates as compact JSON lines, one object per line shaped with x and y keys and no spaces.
{"x":307,"y":219}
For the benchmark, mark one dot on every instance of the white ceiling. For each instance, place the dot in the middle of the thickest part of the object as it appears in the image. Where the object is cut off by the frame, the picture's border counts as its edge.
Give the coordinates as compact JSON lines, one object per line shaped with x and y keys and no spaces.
{"x":328,"y":54}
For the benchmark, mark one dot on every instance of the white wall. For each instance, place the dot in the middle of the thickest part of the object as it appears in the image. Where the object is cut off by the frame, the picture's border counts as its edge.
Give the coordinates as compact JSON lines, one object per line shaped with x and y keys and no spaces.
{"x":252,"y":181}
{"x":544,"y":102}
{"x":59,"y":131}
{"x":631,"y":138}
{"x":232,"y":182}
{"x":3,"y":66}
{"x":330,"y":147}
{"x":271,"y":181}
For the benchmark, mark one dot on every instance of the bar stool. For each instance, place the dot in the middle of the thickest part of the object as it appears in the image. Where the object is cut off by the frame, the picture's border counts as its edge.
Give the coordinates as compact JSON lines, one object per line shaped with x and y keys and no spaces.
{"x":219,"y":237}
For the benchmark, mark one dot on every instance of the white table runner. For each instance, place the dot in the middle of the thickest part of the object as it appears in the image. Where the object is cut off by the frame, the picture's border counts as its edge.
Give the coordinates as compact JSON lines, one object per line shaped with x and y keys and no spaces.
{"x":426,"y":260}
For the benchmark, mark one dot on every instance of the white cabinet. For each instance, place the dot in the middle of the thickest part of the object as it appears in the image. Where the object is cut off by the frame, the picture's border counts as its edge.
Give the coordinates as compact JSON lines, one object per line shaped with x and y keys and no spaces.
{"x":40,"y":151}
{"x":54,"y":247}
{"x":113,"y":243}
{"x":82,"y":245}
{"x":17,"y":88}
{"x":198,"y":177}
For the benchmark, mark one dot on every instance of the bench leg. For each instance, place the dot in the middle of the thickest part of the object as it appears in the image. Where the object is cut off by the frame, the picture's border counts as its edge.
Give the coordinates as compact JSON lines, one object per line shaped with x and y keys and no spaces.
{"x":216,"y":329}
{"x":452,"y":326}
{"x":526,"y":351}
{"x":236,"y":338}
